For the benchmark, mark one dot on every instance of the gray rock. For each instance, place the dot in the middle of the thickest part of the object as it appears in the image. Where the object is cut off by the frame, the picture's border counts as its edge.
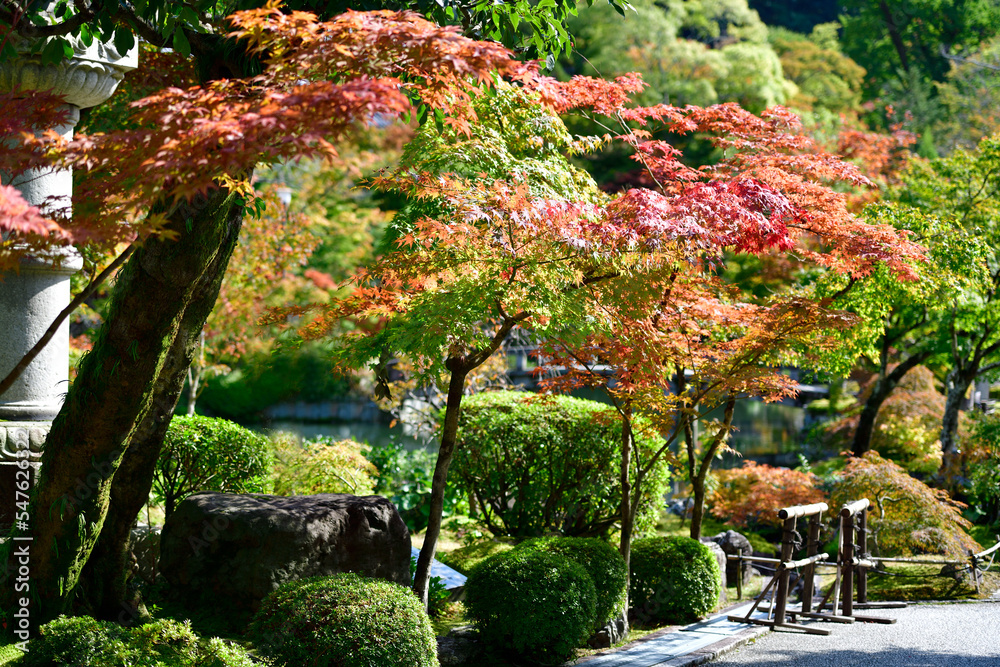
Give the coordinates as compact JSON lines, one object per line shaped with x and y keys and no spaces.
{"x":145,"y":547}
{"x":222,"y":549}
{"x":459,"y":647}
{"x":612,"y":633}
{"x":720,"y":558}
{"x":734,"y":543}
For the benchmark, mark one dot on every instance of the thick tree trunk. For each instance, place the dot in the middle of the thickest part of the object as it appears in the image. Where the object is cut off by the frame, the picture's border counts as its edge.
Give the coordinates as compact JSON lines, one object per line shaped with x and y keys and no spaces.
{"x":884,"y":386}
{"x":109,"y":594}
{"x":449,"y":435}
{"x":111,"y":396}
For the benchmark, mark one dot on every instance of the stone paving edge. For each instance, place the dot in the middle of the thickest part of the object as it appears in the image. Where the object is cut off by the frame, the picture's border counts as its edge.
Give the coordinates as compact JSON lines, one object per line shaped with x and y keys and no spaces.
{"x":713,"y":651}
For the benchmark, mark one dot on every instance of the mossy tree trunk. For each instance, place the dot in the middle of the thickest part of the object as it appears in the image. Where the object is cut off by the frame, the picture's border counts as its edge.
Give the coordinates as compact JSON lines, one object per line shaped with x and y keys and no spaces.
{"x":112,"y":395}
{"x":109,"y":593}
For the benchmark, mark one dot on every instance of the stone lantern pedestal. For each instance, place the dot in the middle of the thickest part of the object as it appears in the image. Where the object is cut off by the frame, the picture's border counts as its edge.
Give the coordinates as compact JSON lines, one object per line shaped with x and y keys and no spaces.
{"x":32,"y":297}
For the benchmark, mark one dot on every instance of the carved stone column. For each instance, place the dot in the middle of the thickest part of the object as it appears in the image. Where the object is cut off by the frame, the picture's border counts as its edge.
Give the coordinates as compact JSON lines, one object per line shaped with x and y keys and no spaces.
{"x":31,"y":298}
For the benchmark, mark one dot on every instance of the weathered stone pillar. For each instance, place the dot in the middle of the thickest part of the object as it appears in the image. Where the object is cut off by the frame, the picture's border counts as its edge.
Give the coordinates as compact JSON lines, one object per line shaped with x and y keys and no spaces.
{"x":32,"y":297}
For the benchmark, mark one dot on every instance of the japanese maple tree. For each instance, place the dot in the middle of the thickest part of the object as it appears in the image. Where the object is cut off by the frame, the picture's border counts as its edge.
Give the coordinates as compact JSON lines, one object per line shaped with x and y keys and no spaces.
{"x":771,"y":195}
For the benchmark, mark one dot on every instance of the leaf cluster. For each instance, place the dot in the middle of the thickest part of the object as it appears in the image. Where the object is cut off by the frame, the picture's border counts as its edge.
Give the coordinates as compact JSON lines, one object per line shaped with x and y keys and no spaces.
{"x":752,"y":495}
{"x":907,"y":516}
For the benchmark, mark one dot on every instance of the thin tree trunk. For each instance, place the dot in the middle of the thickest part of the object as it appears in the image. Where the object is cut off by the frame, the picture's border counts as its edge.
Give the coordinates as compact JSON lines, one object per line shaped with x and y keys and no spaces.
{"x":449,"y":435}
{"x":705,"y":465}
{"x":894,"y":35}
{"x":110,"y":397}
{"x":108,"y":573}
{"x":627,"y":515}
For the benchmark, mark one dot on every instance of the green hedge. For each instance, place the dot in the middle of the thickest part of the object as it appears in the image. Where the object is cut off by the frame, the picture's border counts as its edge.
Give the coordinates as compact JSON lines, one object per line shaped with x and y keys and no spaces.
{"x":84,"y":642}
{"x":540,"y":465}
{"x":206,"y":454}
{"x":673,"y":580}
{"x":533,"y":604}
{"x":464,"y":559}
{"x":602,"y":562}
{"x":344,"y":621}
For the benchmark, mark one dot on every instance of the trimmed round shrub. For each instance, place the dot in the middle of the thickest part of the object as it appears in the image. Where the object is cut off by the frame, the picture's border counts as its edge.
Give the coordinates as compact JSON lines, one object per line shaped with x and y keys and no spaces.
{"x":532,"y":603}
{"x":673,"y":579}
{"x":344,"y":621}
{"x":84,"y":642}
{"x":206,"y":454}
{"x":540,"y":465}
{"x":464,"y":559}
{"x":602,"y":562}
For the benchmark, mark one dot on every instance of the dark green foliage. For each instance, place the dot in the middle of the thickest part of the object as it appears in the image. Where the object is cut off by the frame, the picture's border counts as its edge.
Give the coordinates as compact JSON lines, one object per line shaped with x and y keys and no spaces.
{"x":259,"y":381}
{"x":206,"y":454}
{"x":547,"y":465}
{"x":983,"y":465}
{"x":84,"y":642}
{"x":464,"y":559}
{"x":404,"y":477}
{"x":602,"y":562}
{"x":673,"y":579}
{"x":344,"y":621}
{"x":535,"y":604}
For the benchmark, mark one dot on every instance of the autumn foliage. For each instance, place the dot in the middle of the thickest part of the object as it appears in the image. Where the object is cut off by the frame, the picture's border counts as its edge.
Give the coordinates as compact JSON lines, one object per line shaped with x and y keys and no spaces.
{"x":753,"y":494}
{"x":907,"y":516}
{"x":320,"y":80}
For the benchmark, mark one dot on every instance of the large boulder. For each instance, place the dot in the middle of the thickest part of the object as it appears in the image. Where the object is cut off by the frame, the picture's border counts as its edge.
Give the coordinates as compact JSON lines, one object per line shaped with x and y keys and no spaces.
{"x":234,"y":549}
{"x":734,"y":543}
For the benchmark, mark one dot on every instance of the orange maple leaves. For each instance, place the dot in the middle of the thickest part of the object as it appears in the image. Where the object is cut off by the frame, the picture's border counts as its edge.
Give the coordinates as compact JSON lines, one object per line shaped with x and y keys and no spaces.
{"x":321,"y":81}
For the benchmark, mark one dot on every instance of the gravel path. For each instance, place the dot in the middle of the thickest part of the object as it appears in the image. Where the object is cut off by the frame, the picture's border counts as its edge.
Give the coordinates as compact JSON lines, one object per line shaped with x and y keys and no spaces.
{"x":924,"y":635}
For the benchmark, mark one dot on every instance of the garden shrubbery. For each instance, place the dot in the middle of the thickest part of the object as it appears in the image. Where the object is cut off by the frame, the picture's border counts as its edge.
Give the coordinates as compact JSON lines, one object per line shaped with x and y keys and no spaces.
{"x":536,"y":604}
{"x":465,"y":558}
{"x":321,"y":465}
{"x":602,"y":562}
{"x":344,"y":621}
{"x":206,"y":454}
{"x":84,"y":642}
{"x":907,"y":516}
{"x":751,"y":495}
{"x":673,"y":580}
{"x":543,"y":464}
{"x":404,"y":477}
{"x":982,"y":460}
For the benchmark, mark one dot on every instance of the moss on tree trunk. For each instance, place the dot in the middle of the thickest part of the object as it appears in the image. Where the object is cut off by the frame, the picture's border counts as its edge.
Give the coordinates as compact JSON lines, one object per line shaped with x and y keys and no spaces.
{"x":114,"y":390}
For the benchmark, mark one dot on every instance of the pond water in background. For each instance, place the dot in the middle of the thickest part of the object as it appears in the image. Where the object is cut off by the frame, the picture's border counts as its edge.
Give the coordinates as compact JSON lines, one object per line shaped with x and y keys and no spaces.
{"x":376,"y":434}
{"x":765,"y":432}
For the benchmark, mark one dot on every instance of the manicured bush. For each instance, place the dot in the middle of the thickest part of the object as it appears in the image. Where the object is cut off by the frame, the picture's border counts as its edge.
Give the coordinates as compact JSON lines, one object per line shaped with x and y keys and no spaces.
{"x":907,"y":516}
{"x":464,"y":559}
{"x":321,"y":465}
{"x":602,"y":562}
{"x":540,"y":465}
{"x":344,"y":621}
{"x":84,"y":642}
{"x":909,"y":423}
{"x":752,"y":495}
{"x":531,"y":603}
{"x":673,"y":579}
{"x":206,"y":454}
